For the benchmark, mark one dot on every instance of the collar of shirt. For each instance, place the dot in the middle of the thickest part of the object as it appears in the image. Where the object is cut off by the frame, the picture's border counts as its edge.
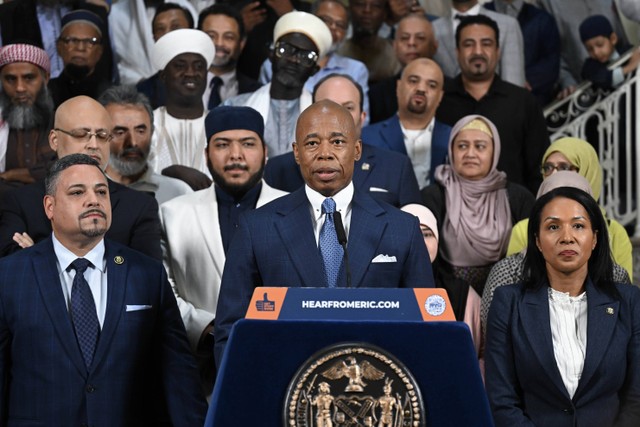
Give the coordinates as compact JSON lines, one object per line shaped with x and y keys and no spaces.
{"x":343,"y":201}
{"x":66,"y":257}
{"x":229,"y":81}
{"x":512,"y":8}
{"x":475,"y":10}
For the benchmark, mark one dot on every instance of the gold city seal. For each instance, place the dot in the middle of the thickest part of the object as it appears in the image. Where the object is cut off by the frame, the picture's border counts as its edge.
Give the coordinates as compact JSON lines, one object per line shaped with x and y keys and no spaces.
{"x":353,"y":384}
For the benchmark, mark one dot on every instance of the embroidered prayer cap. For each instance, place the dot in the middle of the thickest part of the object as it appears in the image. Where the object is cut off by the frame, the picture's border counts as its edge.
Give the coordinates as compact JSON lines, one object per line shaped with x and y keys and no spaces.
{"x":224,"y":118}
{"x":425,"y":216}
{"x":20,"y":52}
{"x":177,"y":42}
{"x":594,"y":26}
{"x":82,"y":16}
{"x":307,"y":24}
{"x":478,"y":124}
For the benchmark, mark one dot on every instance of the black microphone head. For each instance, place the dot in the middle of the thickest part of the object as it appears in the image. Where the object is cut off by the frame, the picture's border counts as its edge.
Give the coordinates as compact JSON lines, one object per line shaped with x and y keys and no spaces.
{"x":342,"y":236}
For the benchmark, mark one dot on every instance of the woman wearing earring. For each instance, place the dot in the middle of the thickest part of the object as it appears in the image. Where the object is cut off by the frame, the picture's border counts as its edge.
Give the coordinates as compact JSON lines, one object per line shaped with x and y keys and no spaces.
{"x":563,"y":346}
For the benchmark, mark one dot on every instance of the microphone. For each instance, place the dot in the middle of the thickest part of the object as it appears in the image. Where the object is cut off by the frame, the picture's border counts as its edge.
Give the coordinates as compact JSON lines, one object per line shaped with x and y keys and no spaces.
{"x":342,"y":239}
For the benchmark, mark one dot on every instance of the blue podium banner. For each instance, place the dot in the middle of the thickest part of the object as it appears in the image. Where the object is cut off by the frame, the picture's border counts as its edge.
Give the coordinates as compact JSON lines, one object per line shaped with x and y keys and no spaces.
{"x":430,"y":304}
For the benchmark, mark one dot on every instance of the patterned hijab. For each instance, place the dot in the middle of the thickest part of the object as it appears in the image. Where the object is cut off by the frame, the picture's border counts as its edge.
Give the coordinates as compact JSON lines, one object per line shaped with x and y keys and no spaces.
{"x":477,"y":223}
{"x":582,"y":155}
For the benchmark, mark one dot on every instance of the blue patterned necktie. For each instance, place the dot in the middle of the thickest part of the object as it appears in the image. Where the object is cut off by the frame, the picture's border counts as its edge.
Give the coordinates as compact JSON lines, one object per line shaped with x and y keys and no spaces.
{"x":83,"y":312}
{"x":330,"y":249}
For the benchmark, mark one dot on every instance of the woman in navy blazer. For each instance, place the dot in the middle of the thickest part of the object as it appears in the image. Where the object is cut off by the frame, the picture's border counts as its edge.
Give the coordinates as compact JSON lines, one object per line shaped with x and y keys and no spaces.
{"x":565,"y":360}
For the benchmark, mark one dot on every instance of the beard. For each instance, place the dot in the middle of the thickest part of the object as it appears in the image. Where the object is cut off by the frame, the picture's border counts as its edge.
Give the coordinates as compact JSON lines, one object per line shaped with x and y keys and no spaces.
{"x":129,"y":167}
{"x":20,"y":116}
{"x":77,"y":72}
{"x":237,"y":191}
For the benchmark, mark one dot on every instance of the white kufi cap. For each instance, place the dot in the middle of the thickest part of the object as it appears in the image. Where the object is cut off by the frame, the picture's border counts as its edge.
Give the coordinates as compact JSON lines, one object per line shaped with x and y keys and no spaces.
{"x":307,"y":24}
{"x":181,"y":41}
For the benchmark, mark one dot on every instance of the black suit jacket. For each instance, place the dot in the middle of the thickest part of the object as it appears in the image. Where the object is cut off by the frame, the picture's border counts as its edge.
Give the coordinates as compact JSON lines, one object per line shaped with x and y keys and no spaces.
{"x":383,"y":102}
{"x":135,"y":221}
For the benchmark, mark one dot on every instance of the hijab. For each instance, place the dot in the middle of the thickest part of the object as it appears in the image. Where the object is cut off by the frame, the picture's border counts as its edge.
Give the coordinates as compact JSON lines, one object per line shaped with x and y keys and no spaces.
{"x":582,"y":155}
{"x":477,"y":223}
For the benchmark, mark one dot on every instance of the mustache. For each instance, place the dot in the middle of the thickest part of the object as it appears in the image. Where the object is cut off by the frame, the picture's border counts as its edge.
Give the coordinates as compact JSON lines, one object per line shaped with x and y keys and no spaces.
{"x":93,"y":212}
{"x":223,"y":50}
{"x":132,"y":150}
{"x":236,"y":166}
{"x":474,"y":57}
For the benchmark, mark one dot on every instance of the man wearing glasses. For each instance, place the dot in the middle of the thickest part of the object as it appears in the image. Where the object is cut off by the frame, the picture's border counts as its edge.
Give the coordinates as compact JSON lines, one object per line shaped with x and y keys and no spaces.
{"x":81,"y":125}
{"x":301,"y":40}
{"x":80,"y":47}
{"x":335,"y":14}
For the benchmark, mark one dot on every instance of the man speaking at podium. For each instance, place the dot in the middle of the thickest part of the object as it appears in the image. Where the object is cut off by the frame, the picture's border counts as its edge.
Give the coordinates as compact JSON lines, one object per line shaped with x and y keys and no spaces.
{"x":298,"y":240}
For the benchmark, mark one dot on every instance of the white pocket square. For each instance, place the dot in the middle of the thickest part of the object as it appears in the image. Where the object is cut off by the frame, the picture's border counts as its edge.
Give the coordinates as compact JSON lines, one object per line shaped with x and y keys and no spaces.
{"x":378,"y":190}
{"x":138,"y":307}
{"x":384,"y":258}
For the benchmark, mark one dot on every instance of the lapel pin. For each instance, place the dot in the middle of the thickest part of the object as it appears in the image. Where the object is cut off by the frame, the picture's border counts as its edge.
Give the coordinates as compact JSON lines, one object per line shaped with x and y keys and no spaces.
{"x":366,"y":166}
{"x":118,"y":260}
{"x":609,"y":310}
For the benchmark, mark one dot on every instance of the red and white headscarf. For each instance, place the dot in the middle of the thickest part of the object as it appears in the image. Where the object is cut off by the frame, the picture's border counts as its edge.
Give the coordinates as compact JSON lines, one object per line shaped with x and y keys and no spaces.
{"x":19,"y":52}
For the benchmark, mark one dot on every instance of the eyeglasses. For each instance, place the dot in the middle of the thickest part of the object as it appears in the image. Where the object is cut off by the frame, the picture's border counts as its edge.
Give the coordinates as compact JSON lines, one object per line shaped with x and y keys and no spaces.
{"x":76,"y":42}
{"x":85,"y":135}
{"x":306,"y":58}
{"x":548,"y":168}
{"x":341,"y":25}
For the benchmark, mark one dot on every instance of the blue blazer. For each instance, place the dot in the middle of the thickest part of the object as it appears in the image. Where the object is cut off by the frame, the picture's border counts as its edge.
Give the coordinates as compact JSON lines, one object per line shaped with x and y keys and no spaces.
{"x":521,"y":374}
{"x":383,"y":174}
{"x":387,"y":134}
{"x":275,"y":246}
{"x":142,"y":367}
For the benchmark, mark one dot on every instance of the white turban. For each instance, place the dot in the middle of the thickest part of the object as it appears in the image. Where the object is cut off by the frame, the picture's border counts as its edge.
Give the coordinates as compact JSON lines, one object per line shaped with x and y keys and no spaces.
{"x":181,"y":41}
{"x":307,"y":24}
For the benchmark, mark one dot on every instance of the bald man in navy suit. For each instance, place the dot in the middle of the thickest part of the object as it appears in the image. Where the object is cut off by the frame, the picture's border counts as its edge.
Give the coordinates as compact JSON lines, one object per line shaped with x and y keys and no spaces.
{"x":278,"y":244}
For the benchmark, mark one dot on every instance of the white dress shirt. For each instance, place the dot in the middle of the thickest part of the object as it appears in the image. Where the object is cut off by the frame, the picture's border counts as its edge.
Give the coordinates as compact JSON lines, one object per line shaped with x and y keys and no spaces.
{"x":568,"y":319}
{"x":96,"y":275}
{"x":343,"y":201}
{"x":418,"y":145}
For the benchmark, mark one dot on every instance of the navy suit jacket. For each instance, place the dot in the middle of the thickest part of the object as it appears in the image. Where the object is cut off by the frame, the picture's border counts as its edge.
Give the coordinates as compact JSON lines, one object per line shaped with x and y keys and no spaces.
{"x":275,"y":246}
{"x":383,"y":174}
{"x":135,"y":222}
{"x":522,"y":377}
{"x":387,"y":134}
{"x":142,"y":358}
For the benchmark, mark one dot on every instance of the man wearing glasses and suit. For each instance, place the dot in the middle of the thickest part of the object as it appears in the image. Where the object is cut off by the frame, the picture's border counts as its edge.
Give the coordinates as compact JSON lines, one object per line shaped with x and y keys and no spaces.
{"x":81,"y":125}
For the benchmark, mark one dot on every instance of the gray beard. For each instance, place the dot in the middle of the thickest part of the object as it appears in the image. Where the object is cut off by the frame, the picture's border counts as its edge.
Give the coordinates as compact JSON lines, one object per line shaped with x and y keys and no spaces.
{"x":27,"y":116}
{"x":128,"y":168}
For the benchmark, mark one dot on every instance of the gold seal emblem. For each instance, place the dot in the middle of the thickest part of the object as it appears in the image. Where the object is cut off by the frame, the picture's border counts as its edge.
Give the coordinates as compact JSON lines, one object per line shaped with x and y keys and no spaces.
{"x":353,"y":384}
{"x":118,"y":259}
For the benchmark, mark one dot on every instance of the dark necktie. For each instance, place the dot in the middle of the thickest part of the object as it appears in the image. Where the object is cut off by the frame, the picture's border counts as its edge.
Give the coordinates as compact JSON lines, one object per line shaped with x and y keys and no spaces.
{"x":459,"y":17}
{"x":330,"y":248}
{"x":214,"y":98}
{"x":83,"y":312}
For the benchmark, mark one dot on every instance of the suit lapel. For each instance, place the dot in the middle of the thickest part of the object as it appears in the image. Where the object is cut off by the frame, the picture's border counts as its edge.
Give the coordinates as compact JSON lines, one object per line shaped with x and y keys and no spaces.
{"x":534,"y":312}
{"x":602,"y":317}
{"x":362,"y":173}
{"x":208,"y":208}
{"x":365,"y":232}
{"x":116,"y":288}
{"x":48,"y":280}
{"x":447,"y":44}
{"x":296,"y":231}
{"x":392,"y":134}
